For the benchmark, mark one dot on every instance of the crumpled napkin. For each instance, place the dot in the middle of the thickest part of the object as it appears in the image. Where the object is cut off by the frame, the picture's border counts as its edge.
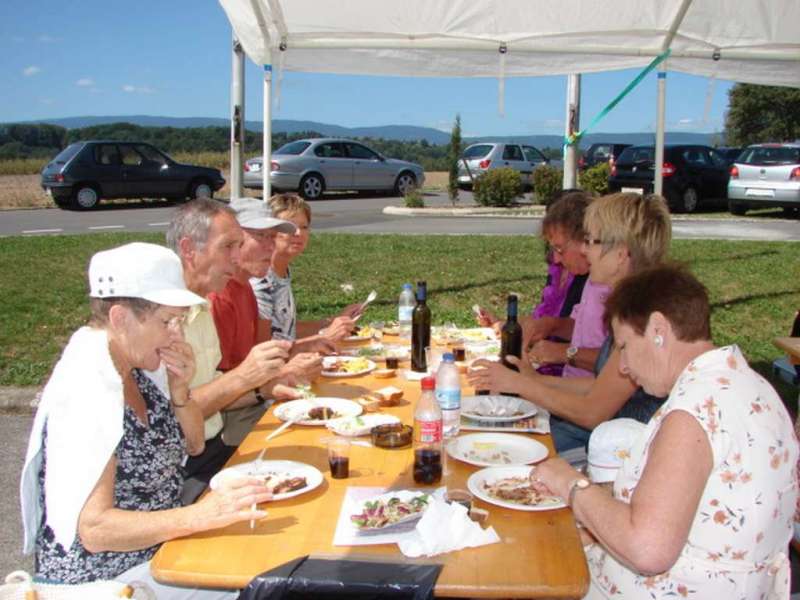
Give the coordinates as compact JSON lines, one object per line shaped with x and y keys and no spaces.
{"x":443,"y":528}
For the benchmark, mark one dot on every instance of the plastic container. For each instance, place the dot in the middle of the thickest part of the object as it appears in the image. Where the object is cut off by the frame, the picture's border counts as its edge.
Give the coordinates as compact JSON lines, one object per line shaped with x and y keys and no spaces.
{"x":427,"y":436}
{"x":393,"y":435}
{"x":448,"y":395}
{"x":405,"y":307}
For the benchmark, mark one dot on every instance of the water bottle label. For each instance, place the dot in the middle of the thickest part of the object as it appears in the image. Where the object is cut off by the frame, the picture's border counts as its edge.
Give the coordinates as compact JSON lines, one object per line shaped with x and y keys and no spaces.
{"x":404,"y":313}
{"x":428,"y":432}
{"x":449,"y":399}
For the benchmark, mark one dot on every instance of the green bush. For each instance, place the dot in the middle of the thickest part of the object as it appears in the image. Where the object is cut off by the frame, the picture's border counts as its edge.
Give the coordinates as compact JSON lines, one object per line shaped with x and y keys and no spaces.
{"x":595,"y":180}
{"x":414,"y":199}
{"x":547,"y":182}
{"x":498,"y":187}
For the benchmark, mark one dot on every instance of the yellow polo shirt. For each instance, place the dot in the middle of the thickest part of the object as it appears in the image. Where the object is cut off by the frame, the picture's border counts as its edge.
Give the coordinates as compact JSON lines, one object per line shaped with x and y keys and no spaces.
{"x":201,"y":333}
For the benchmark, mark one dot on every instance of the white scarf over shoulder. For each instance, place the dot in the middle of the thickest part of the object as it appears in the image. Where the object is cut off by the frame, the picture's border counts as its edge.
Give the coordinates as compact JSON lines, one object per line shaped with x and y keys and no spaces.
{"x":83,"y":408}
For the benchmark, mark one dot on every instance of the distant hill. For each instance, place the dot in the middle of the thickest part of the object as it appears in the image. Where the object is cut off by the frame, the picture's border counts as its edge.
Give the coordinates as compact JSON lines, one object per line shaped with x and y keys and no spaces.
{"x":388,"y":132}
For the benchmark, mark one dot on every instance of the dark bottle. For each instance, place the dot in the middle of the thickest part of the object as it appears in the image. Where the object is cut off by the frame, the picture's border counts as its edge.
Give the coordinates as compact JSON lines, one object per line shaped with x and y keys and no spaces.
{"x":511,"y":334}
{"x":427,"y":435}
{"x":796,"y":325}
{"x":420,"y":329}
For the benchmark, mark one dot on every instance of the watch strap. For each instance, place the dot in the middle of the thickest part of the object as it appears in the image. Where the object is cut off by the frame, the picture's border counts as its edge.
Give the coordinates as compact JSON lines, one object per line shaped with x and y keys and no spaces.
{"x":579,"y":483}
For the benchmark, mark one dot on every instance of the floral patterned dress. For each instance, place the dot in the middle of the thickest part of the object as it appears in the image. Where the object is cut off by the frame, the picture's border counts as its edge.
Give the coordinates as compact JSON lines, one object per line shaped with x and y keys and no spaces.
{"x":148,"y":477}
{"x":738,"y":539}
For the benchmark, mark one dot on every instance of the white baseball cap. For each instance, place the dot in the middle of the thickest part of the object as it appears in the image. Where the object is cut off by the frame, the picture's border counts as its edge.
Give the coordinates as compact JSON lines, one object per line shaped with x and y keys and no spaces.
{"x":140,"y":270}
{"x":254,"y":214}
{"x":609,"y":446}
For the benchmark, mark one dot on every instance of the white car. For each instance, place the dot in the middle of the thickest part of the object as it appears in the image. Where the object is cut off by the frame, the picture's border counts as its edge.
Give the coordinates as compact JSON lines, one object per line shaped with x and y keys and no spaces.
{"x":765,"y":175}
{"x":482,"y":157}
{"x":313,"y":166}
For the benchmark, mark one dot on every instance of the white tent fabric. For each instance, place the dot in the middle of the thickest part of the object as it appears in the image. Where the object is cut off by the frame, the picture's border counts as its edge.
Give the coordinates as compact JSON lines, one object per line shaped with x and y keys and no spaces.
{"x":754,"y":41}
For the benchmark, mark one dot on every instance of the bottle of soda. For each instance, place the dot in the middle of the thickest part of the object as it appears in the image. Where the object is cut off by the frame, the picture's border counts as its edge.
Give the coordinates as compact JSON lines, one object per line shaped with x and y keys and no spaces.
{"x":427,"y":435}
{"x":511,"y":334}
{"x":448,"y":395}
{"x":405,"y":309}
{"x":420,"y":329}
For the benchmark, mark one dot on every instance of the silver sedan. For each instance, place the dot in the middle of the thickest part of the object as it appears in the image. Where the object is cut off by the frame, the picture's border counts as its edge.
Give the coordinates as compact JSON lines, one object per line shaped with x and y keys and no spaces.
{"x":314,"y":166}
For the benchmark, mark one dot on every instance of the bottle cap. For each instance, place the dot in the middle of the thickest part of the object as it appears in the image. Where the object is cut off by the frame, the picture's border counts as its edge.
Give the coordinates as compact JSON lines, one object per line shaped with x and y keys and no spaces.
{"x":407,"y":286}
{"x":428,"y":383}
{"x":448,"y":357}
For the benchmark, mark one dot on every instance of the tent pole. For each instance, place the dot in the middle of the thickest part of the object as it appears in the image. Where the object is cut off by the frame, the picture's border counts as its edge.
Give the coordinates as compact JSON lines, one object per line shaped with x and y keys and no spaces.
{"x":658,"y":187}
{"x":237,"y":118}
{"x":572,"y":126}
{"x":266,"y":165}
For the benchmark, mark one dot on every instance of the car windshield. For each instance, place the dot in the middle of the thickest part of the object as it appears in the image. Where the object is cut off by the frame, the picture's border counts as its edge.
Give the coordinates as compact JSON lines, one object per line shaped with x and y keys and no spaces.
{"x":292,"y":148}
{"x":635,"y":155}
{"x":68,"y":153}
{"x":770,"y":155}
{"x":478,"y":151}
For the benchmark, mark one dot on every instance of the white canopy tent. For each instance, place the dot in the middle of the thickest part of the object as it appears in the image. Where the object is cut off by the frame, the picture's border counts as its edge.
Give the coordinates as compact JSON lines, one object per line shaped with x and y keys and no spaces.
{"x":754,"y":41}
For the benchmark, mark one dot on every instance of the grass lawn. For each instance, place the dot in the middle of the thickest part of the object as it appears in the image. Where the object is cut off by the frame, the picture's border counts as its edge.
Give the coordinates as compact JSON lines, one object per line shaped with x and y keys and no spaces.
{"x":755,"y":286}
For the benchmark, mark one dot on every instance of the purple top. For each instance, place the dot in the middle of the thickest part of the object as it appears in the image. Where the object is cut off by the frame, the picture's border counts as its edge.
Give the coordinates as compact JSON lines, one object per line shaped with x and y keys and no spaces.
{"x":589,"y":330}
{"x":553,"y":295}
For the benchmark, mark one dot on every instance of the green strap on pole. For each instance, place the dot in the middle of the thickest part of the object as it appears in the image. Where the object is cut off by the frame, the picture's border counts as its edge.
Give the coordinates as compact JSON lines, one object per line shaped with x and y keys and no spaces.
{"x":575,"y":137}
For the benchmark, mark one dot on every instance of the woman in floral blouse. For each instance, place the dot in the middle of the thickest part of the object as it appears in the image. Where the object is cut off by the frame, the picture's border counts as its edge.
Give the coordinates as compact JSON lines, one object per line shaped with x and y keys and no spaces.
{"x":703,"y":507}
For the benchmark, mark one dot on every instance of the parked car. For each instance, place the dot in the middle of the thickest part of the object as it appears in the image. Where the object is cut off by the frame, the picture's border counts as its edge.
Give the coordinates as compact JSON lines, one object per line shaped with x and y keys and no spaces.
{"x":765,"y":175}
{"x":83,"y":173}
{"x":485,"y":156}
{"x":316,"y":165}
{"x":729,"y":154}
{"x":601,"y":153}
{"x":692,"y":174}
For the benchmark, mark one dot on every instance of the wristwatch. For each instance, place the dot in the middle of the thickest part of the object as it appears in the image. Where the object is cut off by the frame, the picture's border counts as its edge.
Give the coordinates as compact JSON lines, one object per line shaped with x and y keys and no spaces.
{"x":572,"y":352}
{"x":580,"y":483}
{"x":260,"y":399}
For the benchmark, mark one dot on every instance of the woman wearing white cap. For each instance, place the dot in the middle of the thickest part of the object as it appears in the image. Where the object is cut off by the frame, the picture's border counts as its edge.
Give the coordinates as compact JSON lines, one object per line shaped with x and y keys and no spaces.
{"x":101,"y":485}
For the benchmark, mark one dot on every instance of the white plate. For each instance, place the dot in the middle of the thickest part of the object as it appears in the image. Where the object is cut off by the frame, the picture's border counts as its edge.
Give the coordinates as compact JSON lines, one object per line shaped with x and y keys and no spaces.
{"x":405,"y":496}
{"x":289,"y":411}
{"x":496,"y":449}
{"x":360,"y":424}
{"x":287,"y":468}
{"x":492,"y":474}
{"x":329,"y":360}
{"x":497,"y":409}
{"x":470,"y":334}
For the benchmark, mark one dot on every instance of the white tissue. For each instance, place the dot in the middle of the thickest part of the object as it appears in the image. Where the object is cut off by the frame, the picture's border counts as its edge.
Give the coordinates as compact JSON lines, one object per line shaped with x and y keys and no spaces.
{"x":443,"y":528}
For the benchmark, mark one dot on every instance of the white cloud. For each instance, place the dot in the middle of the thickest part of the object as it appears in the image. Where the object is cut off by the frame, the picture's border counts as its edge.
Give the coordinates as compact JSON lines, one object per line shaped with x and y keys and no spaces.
{"x":47,"y":39}
{"x":31,"y":71}
{"x":133,"y":89}
{"x":85,"y":82}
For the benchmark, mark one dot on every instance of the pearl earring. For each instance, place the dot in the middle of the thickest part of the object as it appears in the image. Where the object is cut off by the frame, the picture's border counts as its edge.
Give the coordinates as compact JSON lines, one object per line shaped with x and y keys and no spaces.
{"x":658,"y":340}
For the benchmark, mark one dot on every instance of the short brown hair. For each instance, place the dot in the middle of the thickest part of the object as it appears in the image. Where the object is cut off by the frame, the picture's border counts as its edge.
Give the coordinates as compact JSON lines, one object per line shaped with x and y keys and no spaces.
{"x":289,"y":205}
{"x":642,"y":223}
{"x":567,"y":213}
{"x":669,"y":289}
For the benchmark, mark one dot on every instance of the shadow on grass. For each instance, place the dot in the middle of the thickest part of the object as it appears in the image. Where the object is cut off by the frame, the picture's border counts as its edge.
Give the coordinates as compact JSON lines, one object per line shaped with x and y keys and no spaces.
{"x":752,"y":297}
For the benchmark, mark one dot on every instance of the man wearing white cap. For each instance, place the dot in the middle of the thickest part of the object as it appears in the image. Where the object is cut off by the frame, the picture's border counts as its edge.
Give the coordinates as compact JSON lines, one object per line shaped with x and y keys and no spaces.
{"x":208,"y":239}
{"x":237,"y":319}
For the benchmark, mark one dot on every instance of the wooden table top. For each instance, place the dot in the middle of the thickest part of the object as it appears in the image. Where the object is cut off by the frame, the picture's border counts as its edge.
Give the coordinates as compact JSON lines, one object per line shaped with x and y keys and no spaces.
{"x":790,"y":345}
{"x":539,"y":555}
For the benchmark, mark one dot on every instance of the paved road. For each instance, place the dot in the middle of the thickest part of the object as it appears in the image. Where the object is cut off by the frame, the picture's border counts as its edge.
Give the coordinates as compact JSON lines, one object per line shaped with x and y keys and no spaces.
{"x":354,"y":214}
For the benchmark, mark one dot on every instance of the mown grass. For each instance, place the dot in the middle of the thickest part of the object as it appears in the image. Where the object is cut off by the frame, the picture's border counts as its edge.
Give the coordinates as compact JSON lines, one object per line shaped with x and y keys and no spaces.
{"x":754,"y":286}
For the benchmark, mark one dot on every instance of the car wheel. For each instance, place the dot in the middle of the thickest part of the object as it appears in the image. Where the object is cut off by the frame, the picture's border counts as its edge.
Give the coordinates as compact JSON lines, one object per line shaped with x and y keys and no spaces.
{"x":406,"y":182}
{"x":85,"y":197}
{"x":312,"y":186}
{"x":688,"y":201}
{"x":736,"y":208}
{"x":201,"y":190}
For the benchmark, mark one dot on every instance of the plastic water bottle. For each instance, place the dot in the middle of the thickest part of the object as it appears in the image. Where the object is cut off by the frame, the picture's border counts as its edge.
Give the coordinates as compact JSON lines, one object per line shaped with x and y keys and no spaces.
{"x":405,"y":307}
{"x":448,"y":395}
{"x":427,"y":435}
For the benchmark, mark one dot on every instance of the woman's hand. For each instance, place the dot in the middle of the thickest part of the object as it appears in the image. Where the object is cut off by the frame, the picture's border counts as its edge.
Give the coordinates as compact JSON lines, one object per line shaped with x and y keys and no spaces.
{"x":553,"y":477}
{"x":493,"y":376}
{"x":179,"y":362}
{"x":545,"y":352}
{"x":485,"y":318}
{"x":232,"y":502}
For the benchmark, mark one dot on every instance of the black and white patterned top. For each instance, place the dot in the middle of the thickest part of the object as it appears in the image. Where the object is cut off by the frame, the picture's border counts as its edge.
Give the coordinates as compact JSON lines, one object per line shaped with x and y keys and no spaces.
{"x":276,"y":303}
{"x":148,"y":478}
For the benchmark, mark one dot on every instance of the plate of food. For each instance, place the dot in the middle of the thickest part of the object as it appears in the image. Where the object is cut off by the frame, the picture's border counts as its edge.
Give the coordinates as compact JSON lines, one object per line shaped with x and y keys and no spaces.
{"x":285,"y":478}
{"x":496,"y":449}
{"x":346,"y":366}
{"x":510,"y":487}
{"x":390,"y":509}
{"x":446,"y":335}
{"x":316,"y":411}
{"x":497,"y":409}
{"x":360,"y":334}
{"x":360,"y":424}
{"x":391,"y":328}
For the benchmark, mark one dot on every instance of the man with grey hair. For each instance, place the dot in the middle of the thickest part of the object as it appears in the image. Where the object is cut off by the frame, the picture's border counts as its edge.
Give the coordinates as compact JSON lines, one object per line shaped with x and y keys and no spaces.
{"x":207,"y":238}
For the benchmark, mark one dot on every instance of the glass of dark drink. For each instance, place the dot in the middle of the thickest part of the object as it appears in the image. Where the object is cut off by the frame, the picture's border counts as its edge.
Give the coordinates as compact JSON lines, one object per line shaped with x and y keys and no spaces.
{"x":427,"y":465}
{"x":392,"y":362}
{"x":339,"y":457}
{"x":459,"y":353}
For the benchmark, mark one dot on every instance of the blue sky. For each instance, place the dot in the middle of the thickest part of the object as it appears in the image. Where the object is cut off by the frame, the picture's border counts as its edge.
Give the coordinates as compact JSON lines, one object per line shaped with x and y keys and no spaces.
{"x":172,"y":57}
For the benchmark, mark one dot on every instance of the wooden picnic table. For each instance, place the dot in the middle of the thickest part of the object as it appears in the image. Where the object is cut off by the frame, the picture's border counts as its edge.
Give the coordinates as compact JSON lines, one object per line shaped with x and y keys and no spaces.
{"x":540,"y":555}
